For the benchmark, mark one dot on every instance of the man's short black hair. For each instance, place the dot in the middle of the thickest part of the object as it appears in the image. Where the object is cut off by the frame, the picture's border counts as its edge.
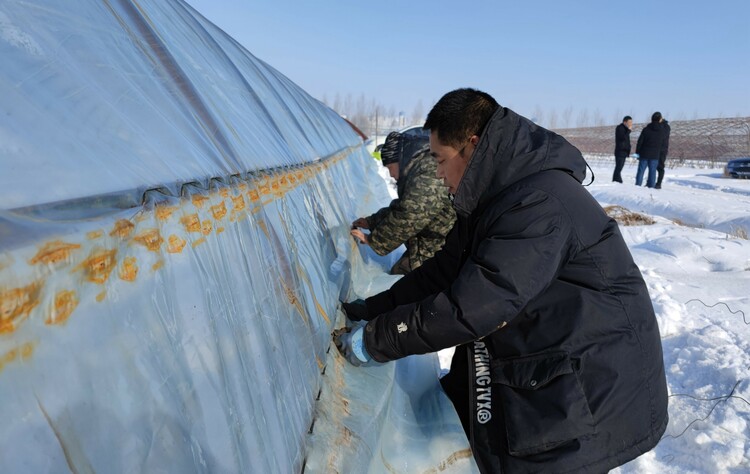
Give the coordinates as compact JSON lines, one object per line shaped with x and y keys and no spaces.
{"x":459,"y":114}
{"x":626,"y":118}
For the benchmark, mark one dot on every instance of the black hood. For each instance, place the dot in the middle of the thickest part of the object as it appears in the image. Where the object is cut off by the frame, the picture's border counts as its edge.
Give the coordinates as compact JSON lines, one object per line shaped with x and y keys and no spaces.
{"x":510,"y":149}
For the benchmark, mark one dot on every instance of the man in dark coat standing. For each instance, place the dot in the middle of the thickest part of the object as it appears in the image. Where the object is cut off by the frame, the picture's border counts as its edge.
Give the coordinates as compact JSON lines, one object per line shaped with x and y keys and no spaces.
{"x":649,"y":148}
{"x":663,"y":153}
{"x":622,"y":146}
{"x":559,"y":361}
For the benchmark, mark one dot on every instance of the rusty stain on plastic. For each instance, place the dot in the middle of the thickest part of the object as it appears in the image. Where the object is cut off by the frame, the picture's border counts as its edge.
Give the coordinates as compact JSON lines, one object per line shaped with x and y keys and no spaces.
{"x":219,"y":210}
{"x":150,"y":238}
{"x":198,"y":200}
{"x":175,"y":244}
{"x":99,"y":265}
{"x":206,"y":227}
{"x":165,"y":212}
{"x":202,"y":240}
{"x":22,"y":352}
{"x":264,"y":187}
{"x":219,"y":230}
{"x":224,"y":192}
{"x":450,"y":461}
{"x":94,"y":234}
{"x":254,"y":195}
{"x":238,"y":203}
{"x":191,"y":222}
{"x":157,"y":265}
{"x":100,"y":297}
{"x":16,"y":305}
{"x":66,"y":302}
{"x":129,"y":269}
{"x":54,"y":252}
{"x":123,"y":228}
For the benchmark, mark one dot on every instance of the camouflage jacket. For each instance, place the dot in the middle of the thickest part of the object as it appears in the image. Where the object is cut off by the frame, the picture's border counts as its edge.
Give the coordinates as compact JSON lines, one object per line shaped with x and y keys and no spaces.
{"x":420,"y":218}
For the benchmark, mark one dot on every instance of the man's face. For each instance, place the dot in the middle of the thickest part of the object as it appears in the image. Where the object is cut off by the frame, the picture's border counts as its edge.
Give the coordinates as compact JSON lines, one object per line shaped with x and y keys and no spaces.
{"x":629,"y":124}
{"x":393,"y":170}
{"x":451,"y":162}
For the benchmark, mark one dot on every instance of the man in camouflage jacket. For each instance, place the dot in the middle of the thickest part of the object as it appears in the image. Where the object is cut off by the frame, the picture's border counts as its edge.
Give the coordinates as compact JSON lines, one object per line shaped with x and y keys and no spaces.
{"x":421,"y":216}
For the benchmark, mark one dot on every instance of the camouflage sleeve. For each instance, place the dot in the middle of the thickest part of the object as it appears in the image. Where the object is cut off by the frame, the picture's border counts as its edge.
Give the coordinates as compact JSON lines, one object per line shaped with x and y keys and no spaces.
{"x":374,"y":220}
{"x":421,"y":203}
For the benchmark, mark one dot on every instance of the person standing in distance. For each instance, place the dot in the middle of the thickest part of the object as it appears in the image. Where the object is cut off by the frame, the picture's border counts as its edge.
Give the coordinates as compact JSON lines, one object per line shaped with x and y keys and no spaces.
{"x":622,"y":146}
{"x":649,"y":149}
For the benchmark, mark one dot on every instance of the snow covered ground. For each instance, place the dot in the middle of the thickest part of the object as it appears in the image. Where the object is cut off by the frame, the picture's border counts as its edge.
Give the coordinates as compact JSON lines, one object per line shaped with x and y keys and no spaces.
{"x":695,"y":259}
{"x":696,"y":262}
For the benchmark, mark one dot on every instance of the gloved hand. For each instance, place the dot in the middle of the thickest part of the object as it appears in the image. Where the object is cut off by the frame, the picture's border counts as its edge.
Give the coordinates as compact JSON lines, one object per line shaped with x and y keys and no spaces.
{"x":635,"y":155}
{"x":350,"y":343}
{"x":356,"y":310}
{"x":361,"y":222}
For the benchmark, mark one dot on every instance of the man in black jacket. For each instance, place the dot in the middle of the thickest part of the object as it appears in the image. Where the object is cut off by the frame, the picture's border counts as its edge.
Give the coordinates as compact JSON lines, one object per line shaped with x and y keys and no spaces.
{"x":559,"y":360}
{"x":649,"y":148}
{"x":622,"y":146}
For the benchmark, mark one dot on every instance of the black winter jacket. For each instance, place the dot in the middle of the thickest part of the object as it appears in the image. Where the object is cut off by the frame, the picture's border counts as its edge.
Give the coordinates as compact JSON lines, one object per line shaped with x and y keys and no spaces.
{"x":536,"y":269}
{"x":622,"y":140}
{"x":667,"y":130}
{"x":651,"y":142}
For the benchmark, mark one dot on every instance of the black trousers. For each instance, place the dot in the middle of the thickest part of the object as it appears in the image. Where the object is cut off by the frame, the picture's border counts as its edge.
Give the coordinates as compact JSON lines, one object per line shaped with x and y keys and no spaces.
{"x":660,"y":170}
{"x":619,"y":163}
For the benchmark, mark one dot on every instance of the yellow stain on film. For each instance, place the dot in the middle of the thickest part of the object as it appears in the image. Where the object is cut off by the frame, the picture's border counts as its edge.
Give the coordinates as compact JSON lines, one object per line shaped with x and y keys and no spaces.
{"x":219,"y":230}
{"x":224,"y":192}
{"x":164,"y":212}
{"x":202,"y":240}
{"x":123,"y":228}
{"x":262,"y":224}
{"x":206,"y":227}
{"x":16,"y":305}
{"x":175,"y":244}
{"x":65,"y":302}
{"x":198,"y":200}
{"x":99,"y":265}
{"x":219,"y":210}
{"x":150,"y":238}
{"x":157,"y":265}
{"x":264,"y":187}
{"x":22,"y":352}
{"x":54,"y":252}
{"x":191,"y":222}
{"x":100,"y":297}
{"x":129,"y":269}
{"x":238,"y":203}
{"x":253,"y":195}
{"x":301,"y":273}
{"x":94,"y":234}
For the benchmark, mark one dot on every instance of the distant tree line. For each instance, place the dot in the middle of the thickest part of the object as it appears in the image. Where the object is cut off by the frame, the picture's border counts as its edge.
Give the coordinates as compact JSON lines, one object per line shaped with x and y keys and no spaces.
{"x":372,"y":116}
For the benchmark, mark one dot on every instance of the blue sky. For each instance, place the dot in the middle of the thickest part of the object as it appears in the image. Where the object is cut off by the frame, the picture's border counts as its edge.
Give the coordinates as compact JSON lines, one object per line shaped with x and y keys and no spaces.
{"x":685,"y":58}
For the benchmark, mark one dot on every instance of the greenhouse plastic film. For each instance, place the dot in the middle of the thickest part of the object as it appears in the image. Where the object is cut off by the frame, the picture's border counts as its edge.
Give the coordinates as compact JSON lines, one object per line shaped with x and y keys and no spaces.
{"x":174,"y":243}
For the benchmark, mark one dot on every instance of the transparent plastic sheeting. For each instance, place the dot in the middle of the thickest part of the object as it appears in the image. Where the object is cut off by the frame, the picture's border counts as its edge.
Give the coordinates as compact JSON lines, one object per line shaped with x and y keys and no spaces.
{"x":173,"y":246}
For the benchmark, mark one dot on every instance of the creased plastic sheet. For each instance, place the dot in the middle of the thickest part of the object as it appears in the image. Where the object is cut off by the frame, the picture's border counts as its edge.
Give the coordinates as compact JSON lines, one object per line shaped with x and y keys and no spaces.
{"x":173,"y":246}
